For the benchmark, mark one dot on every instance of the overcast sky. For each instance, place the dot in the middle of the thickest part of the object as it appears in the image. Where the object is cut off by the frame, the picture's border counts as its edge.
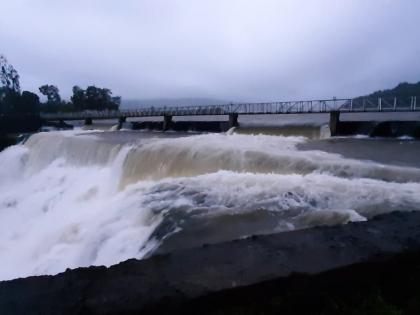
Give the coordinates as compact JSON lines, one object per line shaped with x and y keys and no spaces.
{"x":226,"y":49}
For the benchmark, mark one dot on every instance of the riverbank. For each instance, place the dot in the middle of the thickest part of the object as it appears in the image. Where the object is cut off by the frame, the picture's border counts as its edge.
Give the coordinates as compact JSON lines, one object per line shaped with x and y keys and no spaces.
{"x":326,"y":270}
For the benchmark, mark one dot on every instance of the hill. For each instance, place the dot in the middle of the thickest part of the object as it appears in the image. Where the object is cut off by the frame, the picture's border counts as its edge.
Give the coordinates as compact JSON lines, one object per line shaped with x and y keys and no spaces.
{"x":401,"y":90}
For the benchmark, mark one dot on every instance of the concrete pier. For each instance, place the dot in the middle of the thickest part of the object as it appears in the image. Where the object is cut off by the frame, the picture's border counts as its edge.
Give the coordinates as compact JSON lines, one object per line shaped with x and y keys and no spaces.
{"x":167,"y":122}
{"x":334,"y":123}
{"x":88,"y":121}
{"x":233,"y":120}
{"x":121,"y":121}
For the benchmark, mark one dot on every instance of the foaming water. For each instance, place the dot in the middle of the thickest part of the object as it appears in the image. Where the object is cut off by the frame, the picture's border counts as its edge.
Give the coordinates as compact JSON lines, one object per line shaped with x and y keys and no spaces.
{"x":70,"y":199}
{"x":192,"y":156}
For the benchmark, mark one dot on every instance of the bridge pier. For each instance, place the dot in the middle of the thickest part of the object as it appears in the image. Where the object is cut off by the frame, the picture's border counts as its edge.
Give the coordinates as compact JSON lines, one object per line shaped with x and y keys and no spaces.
{"x":88,"y":121}
{"x":121,"y":120}
{"x":167,"y":122}
{"x":233,"y":120}
{"x":334,"y":122}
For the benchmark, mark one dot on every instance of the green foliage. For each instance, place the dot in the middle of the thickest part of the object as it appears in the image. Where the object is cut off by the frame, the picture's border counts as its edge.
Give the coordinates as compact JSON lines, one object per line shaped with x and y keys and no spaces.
{"x":9,"y":77}
{"x":402,"y":90}
{"x":29,"y":103}
{"x":9,"y":100}
{"x":54,"y":102}
{"x":52,"y":93}
{"x":79,"y":98}
{"x":94,"y":98}
{"x":373,"y":305}
{"x":12,"y":102}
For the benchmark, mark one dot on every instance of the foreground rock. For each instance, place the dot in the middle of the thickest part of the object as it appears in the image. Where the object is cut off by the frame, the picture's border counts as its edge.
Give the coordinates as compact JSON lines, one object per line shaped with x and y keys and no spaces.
{"x":241,"y":272}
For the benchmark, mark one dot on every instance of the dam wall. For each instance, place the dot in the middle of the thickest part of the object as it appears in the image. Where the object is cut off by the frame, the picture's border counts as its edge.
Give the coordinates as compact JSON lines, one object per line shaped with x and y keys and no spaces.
{"x":209,"y":126}
{"x":391,"y":129}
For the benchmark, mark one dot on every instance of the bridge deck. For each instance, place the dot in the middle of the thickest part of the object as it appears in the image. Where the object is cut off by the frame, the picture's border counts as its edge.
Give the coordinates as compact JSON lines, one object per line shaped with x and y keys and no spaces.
{"x":359,"y":105}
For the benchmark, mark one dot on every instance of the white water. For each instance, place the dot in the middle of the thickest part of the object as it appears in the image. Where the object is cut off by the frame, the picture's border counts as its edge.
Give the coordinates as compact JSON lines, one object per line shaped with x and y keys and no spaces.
{"x":70,"y":200}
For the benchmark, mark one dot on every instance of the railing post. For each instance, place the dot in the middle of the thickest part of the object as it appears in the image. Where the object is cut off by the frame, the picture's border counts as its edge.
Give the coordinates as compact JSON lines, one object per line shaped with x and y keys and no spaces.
{"x":395,"y":103}
{"x":351,"y":105}
{"x":415,"y":102}
{"x":380,"y":104}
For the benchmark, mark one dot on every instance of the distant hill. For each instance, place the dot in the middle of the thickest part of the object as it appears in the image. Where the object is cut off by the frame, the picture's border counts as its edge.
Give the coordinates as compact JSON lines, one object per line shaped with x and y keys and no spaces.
{"x":401,"y":90}
{"x":127,"y":104}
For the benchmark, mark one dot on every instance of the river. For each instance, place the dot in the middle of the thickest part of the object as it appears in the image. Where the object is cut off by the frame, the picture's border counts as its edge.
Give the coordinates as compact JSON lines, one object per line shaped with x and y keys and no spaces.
{"x":98,"y":197}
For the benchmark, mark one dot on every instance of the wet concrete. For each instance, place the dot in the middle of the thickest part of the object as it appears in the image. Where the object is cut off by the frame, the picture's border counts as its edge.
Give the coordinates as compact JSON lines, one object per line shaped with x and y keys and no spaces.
{"x":200,"y":126}
{"x":164,"y":283}
{"x":392,"y":129}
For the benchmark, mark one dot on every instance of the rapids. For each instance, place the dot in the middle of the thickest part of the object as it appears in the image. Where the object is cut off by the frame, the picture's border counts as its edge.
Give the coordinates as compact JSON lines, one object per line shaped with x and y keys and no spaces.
{"x":73,"y":198}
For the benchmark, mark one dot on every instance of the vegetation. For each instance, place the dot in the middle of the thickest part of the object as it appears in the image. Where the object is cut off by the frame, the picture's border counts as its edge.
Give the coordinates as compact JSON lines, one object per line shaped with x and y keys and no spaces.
{"x":402,"y":90}
{"x":13,"y":102}
{"x":94,"y":98}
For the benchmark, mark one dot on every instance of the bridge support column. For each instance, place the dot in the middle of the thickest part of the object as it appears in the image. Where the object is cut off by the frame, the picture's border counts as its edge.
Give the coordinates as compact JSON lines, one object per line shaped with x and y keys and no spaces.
{"x":334,"y":123}
{"x":167,"y":122}
{"x":121,"y":120}
{"x":88,"y":121}
{"x":233,"y":120}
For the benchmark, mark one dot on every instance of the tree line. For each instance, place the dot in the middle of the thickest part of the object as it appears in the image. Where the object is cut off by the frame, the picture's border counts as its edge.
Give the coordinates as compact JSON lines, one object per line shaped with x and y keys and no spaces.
{"x":402,"y":90}
{"x":13,"y":101}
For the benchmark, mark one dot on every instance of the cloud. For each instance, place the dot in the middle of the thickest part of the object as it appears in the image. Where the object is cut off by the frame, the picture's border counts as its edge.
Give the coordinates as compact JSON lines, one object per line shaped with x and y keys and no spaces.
{"x":230,"y":49}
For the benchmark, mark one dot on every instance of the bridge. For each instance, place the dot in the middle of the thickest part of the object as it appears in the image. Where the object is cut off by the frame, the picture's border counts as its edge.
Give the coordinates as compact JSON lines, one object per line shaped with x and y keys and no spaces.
{"x":233,"y":110}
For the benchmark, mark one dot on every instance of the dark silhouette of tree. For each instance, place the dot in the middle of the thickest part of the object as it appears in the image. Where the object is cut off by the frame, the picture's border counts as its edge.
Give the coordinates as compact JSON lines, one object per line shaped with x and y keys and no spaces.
{"x":94,"y":98}
{"x":9,"y":77}
{"x":9,"y":100}
{"x":116,"y":100}
{"x":54,"y":102}
{"x":12,"y":102}
{"x":29,"y":103}
{"x":79,"y":98}
{"x":52,"y":93}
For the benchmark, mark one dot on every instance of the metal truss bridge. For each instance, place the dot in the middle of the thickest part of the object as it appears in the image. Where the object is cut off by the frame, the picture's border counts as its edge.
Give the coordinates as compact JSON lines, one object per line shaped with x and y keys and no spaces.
{"x":385,"y":104}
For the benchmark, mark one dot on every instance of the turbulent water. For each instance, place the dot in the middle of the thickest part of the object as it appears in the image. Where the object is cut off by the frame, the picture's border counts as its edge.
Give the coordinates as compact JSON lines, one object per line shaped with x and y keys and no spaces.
{"x":70,"y":199}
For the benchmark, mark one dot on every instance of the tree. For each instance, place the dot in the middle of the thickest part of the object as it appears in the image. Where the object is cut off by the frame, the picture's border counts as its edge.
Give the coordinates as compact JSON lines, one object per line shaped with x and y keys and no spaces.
{"x":9,"y":100}
{"x":9,"y":77}
{"x":29,"y":103}
{"x":94,"y":98}
{"x":52,"y":93}
{"x":79,"y":98}
{"x":12,"y":102}
{"x":116,"y":101}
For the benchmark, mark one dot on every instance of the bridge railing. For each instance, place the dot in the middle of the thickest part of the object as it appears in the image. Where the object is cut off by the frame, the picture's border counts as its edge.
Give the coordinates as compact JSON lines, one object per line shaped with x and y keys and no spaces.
{"x":382,"y":104}
{"x":294,"y":107}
